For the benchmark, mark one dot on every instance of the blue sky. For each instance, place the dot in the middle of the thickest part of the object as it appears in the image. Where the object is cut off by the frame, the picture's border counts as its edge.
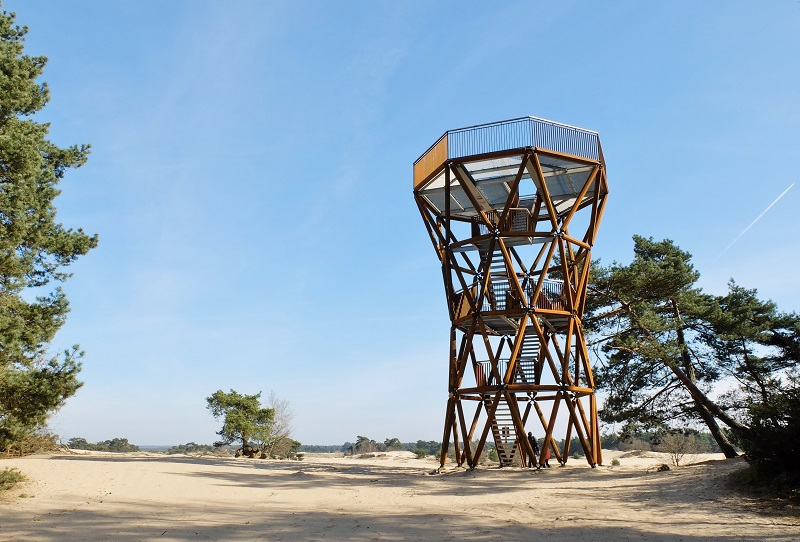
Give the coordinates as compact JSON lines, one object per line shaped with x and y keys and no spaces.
{"x":250,"y":182}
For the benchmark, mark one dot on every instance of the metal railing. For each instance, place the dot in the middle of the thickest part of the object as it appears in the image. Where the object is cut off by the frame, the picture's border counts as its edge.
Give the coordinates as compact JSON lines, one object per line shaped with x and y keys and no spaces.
{"x":519,"y":220}
{"x":503,"y":136}
{"x":484,"y":377}
{"x":551,"y":296}
{"x":523,"y":132}
{"x":501,"y":296}
{"x":483,"y":372}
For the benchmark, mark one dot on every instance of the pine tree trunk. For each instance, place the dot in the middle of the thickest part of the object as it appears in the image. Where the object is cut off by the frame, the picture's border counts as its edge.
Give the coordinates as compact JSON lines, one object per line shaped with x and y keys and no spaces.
{"x":703,"y":405}
{"x":722,"y":439}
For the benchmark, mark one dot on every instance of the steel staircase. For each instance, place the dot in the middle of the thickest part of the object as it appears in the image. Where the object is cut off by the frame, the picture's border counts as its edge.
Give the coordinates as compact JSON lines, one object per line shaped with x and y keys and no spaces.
{"x":505,"y":436}
{"x":497,"y":266}
{"x":528,"y":358}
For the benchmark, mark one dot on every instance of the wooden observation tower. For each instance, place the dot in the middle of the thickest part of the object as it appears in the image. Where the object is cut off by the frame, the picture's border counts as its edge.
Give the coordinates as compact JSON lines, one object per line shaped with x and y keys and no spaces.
{"x":512,"y":209}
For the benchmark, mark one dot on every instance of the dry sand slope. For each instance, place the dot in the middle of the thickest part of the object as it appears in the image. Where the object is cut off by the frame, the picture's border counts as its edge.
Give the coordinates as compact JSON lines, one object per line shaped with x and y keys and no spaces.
{"x":133,"y":497}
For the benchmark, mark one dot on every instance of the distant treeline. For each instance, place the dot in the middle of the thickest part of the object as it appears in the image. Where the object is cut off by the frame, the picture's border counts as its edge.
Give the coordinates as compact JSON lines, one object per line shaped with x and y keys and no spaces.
{"x":194,"y":448}
{"x":118,"y":445}
{"x":650,"y":440}
{"x":611,"y":441}
{"x":366,"y":445}
{"x":321,"y":448}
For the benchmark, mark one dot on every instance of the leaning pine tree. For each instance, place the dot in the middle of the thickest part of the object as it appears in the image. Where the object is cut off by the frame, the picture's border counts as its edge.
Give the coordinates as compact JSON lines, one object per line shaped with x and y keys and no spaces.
{"x":34,"y":248}
{"x":666,"y":347}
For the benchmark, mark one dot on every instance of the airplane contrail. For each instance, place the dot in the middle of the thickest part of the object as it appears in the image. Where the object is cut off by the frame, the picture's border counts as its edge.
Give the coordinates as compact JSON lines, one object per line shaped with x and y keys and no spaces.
{"x":756,"y":220}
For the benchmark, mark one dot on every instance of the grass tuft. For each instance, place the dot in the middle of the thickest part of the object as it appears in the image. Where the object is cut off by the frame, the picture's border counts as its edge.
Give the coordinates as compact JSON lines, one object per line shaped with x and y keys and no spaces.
{"x":9,"y":478}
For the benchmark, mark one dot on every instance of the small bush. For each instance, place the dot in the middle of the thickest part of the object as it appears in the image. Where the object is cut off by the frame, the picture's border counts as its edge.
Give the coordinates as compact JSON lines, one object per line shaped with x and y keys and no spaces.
{"x":773,"y":446}
{"x":9,"y":478}
{"x":780,"y":486}
{"x":421,"y":453}
{"x":615,"y":462}
{"x":493,"y":456}
{"x":774,"y":443}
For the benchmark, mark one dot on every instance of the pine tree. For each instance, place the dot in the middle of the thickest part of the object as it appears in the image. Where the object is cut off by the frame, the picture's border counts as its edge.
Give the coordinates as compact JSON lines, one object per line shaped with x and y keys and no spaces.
{"x":654,"y":318}
{"x":244,"y":419}
{"x":34,"y":248}
{"x":667,"y":344}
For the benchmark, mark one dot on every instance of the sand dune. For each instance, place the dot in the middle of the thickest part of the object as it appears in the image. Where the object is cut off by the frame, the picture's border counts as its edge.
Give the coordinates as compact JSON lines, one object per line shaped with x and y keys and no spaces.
{"x":133,"y":497}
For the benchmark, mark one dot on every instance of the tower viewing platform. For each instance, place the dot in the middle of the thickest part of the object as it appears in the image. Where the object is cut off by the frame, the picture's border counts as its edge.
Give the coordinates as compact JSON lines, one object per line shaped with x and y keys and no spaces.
{"x":486,"y":139}
{"x":512,"y":209}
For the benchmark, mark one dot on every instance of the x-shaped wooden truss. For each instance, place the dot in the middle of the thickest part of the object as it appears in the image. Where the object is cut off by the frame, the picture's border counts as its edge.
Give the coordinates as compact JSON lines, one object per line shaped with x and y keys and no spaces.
{"x":516,"y":276}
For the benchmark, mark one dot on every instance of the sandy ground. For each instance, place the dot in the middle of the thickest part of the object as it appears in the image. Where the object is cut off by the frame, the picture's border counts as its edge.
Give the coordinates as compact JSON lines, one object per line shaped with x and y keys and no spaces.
{"x":133,"y":497}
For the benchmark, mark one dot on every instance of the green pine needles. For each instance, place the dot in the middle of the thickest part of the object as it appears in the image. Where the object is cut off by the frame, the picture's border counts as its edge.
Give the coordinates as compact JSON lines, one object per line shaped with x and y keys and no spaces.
{"x":34,"y":248}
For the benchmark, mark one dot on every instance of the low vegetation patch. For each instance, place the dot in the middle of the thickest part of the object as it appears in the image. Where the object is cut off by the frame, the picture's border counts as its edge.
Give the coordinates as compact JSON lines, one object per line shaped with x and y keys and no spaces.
{"x":35,"y":443}
{"x":9,"y":478}
{"x":778,"y":487}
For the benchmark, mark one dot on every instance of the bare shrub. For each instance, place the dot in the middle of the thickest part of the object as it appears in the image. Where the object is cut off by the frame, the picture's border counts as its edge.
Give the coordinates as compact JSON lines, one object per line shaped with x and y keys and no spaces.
{"x":677,"y":445}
